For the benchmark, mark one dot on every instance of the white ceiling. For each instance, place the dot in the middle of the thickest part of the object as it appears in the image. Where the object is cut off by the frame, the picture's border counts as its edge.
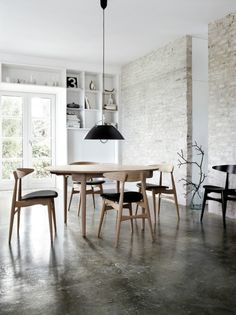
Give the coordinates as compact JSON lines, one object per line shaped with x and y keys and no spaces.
{"x":72,"y":29}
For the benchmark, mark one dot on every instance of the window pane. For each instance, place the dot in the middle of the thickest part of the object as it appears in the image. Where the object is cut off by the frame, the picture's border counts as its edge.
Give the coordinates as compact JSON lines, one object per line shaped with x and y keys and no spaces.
{"x":11,"y":127}
{"x":12,"y":106}
{"x":11,"y":142}
{"x":41,"y":128}
{"x":41,"y":108}
{"x":12,"y":148}
{"x":41,"y":149}
{"x":39,"y":166}
{"x":9,"y":167}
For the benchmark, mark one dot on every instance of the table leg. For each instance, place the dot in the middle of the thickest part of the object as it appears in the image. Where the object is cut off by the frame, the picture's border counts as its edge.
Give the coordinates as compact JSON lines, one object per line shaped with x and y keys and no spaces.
{"x":65,"y":177}
{"x":117,"y":186}
{"x":83,"y":203}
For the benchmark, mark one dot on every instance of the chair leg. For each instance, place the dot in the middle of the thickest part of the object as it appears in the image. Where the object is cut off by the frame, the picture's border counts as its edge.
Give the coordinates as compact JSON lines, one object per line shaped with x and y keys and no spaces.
{"x":176,"y":204}
{"x":93,"y":197}
{"x":54,"y":215}
{"x":150,"y":222}
{"x":50,"y":220}
{"x":72,"y":192}
{"x":118,"y":225}
{"x":143,"y":219}
{"x":136,"y":211}
{"x":131,"y":220}
{"x":101,"y":217}
{"x":203,"y":204}
{"x":154,"y":206}
{"x":159,"y":204}
{"x":79,"y":205}
{"x":18,"y":220}
{"x":224,"y":207}
{"x":11,"y":223}
{"x":101,"y":188}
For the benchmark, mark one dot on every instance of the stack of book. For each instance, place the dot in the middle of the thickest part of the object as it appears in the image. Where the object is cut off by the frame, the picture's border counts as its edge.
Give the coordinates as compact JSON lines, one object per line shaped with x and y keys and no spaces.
{"x":73,"y":121}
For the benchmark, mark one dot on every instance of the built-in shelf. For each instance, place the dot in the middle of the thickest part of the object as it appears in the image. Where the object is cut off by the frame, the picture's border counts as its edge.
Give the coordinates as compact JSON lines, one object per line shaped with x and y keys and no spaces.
{"x":32,"y":75}
{"x":91,"y":109}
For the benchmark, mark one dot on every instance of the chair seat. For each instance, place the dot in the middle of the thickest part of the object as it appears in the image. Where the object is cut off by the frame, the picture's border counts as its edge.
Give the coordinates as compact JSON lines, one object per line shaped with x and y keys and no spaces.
{"x":213,"y":188}
{"x":150,"y":186}
{"x":93,"y":182}
{"x":129,"y":196}
{"x":40,"y":194}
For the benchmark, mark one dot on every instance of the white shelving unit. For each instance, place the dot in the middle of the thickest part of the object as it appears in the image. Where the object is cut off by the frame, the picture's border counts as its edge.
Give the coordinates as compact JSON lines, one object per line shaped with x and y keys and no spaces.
{"x":86,"y":97}
{"x":87,"y":94}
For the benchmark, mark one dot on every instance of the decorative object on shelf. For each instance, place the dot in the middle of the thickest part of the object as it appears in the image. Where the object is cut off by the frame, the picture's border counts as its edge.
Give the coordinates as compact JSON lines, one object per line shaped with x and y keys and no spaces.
{"x":103,"y":132}
{"x":87,"y":103}
{"x":72,"y":82}
{"x":73,"y":105}
{"x":110,"y":100}
{"x":195,"y":188}
{"x":110,"y":91}
{"x":92,"y":86}
{"x":110,"y":107}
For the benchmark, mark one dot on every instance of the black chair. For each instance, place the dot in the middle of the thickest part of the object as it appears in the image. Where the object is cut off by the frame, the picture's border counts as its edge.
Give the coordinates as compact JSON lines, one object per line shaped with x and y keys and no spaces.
{"x":226,"y":193}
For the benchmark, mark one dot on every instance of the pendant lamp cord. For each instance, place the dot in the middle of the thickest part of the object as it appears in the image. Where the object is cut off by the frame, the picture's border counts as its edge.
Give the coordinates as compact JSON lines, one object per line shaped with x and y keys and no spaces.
{"x":103,"y":61}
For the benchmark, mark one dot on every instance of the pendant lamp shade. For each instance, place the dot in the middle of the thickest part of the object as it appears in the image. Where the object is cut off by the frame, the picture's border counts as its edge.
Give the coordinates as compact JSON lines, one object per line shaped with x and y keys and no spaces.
{"x":103,"y":131}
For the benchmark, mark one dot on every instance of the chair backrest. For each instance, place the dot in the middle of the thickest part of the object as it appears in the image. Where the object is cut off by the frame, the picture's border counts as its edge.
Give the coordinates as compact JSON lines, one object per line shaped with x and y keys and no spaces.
{"x":166,"y":168}
{"x":18,"y":175}
{"x":231,"y":169}
{"x":131,"y":176}
{"x":228,"y":169}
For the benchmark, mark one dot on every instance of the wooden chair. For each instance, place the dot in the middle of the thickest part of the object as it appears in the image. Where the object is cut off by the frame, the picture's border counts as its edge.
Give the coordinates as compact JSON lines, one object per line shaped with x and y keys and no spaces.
{"x":161,"y":190}
{"x":40,"y":197}
{"x":95,"y":186}
{"x":124,"y":199}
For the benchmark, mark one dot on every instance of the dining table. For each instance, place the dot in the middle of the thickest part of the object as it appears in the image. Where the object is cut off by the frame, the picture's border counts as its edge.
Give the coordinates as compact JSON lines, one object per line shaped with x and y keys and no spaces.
{"x":84,"y":172}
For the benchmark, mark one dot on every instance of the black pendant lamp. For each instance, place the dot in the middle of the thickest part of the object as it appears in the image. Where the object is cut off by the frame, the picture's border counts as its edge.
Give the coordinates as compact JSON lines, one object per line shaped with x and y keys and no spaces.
{"x":103,"y":131}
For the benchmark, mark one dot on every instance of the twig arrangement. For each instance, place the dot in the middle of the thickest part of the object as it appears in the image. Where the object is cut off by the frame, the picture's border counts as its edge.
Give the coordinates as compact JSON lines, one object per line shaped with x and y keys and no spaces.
{"x":194,"y":188}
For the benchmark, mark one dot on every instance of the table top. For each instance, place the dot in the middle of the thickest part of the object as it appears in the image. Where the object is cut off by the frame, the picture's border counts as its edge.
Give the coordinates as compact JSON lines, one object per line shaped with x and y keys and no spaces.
{"x":98,"y":168}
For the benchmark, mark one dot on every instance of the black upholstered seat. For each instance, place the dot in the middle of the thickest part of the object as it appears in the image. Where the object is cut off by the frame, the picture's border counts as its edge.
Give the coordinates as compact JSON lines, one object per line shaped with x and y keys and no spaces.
{"x":93,"y":182}
{"x":150,"y":186}
{"x":129,"y":196}
{"x":40,"y":194}
{"x":213,"y":188}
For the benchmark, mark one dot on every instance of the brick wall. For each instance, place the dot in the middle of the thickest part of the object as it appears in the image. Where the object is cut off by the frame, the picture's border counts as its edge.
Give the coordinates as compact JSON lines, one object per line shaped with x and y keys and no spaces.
{"x":156,"y":115}
{"x":222,"y":101}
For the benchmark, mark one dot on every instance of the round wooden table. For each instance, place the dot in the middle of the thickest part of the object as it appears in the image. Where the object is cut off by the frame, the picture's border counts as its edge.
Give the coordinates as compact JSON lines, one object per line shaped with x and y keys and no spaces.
{"x":94,"y":170}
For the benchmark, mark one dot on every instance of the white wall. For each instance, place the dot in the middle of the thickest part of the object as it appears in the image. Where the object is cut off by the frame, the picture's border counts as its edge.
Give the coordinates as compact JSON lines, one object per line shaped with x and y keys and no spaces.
{"x":156,"y":108}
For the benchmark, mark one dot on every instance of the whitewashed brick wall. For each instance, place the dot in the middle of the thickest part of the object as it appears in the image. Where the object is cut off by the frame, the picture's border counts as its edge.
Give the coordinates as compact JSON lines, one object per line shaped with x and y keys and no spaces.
{"x":222,"y":102}
{"x":156,"y":116}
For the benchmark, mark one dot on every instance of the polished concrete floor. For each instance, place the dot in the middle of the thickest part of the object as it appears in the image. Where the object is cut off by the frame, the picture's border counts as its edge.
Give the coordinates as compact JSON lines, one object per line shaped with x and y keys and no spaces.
{"x":189,"y":269}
